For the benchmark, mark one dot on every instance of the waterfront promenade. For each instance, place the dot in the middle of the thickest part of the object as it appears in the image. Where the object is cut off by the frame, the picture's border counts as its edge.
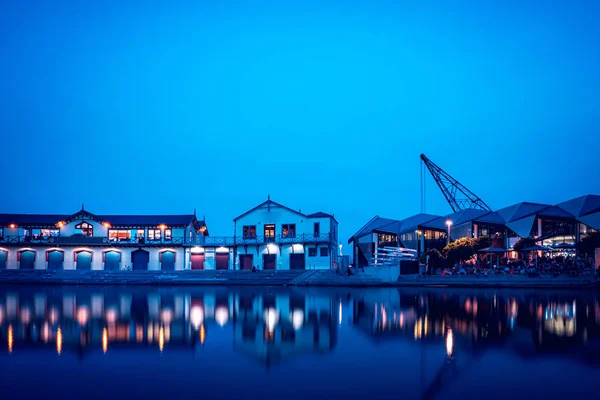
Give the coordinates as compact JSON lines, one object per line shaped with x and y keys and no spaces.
{"x":282,"y":278}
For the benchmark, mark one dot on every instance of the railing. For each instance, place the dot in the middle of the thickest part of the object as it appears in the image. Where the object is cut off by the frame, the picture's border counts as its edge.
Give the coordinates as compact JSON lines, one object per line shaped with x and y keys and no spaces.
{"x":199,"y":241}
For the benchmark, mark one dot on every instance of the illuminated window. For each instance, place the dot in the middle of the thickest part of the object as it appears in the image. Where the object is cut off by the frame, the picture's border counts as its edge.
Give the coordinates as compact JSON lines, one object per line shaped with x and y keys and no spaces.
{"x":168,"y":234}
{"x":288,"y":230}
{"x":86,"y":228}
{"x":249,"y":231}
{"x":49,"y":232}
{"x":324,"y":251}
{"x":269,"y":232}
{"x":153,"y":234}
{"x":116,"y":235}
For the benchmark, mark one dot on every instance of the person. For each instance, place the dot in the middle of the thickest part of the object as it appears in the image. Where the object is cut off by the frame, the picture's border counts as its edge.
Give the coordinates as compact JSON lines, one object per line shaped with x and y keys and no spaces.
{"x":254,"y":268}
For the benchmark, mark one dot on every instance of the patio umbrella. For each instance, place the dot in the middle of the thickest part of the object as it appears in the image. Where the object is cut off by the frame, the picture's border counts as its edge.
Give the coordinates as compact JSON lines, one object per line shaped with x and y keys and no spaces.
{"x":492,"y":250}
{"x":537,"y":248}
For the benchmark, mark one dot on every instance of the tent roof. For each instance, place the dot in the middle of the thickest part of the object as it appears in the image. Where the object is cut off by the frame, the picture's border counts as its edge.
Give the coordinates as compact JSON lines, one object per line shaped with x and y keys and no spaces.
{"x":582,"y":205}
{"x":520,"y":210}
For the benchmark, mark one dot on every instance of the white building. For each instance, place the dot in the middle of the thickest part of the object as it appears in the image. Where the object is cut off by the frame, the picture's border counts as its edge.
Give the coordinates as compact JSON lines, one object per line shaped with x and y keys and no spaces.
{"x":273,"y":236}
{"x":85,"y":241}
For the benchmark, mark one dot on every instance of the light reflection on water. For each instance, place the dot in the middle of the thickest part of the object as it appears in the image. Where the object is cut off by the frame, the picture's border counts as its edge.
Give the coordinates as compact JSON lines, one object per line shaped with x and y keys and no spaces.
{"x":308,"y":333}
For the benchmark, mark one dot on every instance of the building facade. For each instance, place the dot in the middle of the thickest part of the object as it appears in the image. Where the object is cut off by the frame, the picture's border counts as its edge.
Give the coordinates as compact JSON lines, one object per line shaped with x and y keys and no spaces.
{"x":273,"y":236}
{"x":85,"y":241}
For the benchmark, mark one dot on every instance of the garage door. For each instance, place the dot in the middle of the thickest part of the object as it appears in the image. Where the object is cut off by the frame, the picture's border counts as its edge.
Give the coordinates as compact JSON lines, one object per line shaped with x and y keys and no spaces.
{"x":3,"y":258}
{"x":139,"y":260}
{"x":246,"y":261}
{"x":26,"y":259}
{"x":112,"y":261}
{"x":167,"y":261}
{"x":269,"y":261}
{"x":222,"y":260}
{"x":55,"y":259}
{"x":83,"y":261}
{"x":198,"y":261}
{"x":297,"y":261}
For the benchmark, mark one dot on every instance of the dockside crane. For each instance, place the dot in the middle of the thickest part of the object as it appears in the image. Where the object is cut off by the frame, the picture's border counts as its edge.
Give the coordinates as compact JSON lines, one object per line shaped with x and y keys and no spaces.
{"x":457,"y":194}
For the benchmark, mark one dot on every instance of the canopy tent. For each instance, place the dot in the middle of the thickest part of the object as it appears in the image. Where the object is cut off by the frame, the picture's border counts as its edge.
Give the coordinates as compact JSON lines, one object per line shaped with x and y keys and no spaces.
{"x":493,"y":250}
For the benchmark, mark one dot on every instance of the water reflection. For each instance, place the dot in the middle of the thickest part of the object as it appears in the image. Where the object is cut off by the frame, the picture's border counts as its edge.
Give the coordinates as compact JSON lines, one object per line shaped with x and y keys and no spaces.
{"x":270,"y":326}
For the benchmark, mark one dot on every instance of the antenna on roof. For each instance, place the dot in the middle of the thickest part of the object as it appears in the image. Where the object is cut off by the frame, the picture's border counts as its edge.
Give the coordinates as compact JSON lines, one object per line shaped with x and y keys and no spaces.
{"x":82,"y":208}
{"x":194,"y":211}
{"x":268,"y":202}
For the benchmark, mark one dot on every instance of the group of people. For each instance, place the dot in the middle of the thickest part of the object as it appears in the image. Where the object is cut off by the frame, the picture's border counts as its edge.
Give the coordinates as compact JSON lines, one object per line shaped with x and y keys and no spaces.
{"x":572,"y":265}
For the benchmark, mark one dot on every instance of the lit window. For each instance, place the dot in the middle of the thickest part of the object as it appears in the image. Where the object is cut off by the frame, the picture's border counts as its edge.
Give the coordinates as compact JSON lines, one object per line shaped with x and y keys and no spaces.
{"x":86,"y":228}
{"x":49,"y":232}
{"x":115,"y":235}
{"x":249,"y":231}
{"x":153,"y":234}
{"x":269,"y":232}
{"x":168,"y":234}
{"x":288,"y":230}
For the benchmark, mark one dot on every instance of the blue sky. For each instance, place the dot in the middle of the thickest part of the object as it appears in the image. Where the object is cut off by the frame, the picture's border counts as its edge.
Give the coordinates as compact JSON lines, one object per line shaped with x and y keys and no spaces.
{"x":150,"y":107}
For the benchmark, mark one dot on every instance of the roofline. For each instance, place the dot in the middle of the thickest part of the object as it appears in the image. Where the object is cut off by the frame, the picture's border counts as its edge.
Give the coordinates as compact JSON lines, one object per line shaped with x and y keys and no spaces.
{"x":266,"y":202}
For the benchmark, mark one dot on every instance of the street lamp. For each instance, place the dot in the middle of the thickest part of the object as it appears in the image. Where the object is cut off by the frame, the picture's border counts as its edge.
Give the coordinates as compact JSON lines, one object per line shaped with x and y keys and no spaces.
{"x":418,"y":232}
{"x":340,"y":249}
{"x":448,"y":224}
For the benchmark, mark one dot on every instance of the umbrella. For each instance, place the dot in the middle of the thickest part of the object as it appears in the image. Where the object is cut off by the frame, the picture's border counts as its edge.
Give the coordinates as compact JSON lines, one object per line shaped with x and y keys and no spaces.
{"x":564,"y":246}
{"x":537,"y":248}
{"x":492,"y":250}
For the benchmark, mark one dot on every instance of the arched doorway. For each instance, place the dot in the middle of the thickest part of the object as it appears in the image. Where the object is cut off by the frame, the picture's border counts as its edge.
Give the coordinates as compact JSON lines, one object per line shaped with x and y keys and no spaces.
{"x":3,"y":258}
{"x":83,"y":260}
{"x":55,"y":259}
{"x":26,"y":259}
{"x":167,"y":260}
{"x":139,"y":260}
{"x":112,"y":260}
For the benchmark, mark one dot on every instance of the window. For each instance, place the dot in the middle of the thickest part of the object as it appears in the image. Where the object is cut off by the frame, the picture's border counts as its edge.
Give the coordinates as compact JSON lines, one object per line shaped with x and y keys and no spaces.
{"x":288,"y":230}
{"x":168,"y":234}
{"x":115,"y":235}
{"x":249,"y":231}
{"x":140,"y":233}
{"x":324,"y":252}
{"x":317,"y":229}
{"x":270,"y":232}
{"x":153,"y":234}
{"x":312,"y":251}
{"x":49,"y":232}
{"x":86,"y":228}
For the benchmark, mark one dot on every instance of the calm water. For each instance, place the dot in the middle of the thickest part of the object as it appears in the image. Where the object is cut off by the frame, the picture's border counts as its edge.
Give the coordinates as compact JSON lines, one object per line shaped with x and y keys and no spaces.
{"x":292,"y":343}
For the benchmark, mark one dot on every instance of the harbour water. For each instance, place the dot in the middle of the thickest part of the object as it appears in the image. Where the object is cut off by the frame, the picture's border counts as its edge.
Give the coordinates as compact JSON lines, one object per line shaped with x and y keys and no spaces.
{"x":278,"y":342}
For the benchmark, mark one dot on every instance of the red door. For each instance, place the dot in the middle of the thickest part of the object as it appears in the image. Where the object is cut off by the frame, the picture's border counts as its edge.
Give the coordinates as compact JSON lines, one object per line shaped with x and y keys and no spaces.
{"x":198,"y":261}
{"x":246,"y":261}
{"x":269,"y":261}
{"x":222,"y":260}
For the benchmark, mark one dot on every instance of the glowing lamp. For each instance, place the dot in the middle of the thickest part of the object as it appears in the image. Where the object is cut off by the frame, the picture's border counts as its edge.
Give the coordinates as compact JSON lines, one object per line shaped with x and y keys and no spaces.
{"x":448,"y":222}
{"x":162,"y":227}
{"x":106,"y":225}
{"x":60,"y":224}
{"x":12,"y":226}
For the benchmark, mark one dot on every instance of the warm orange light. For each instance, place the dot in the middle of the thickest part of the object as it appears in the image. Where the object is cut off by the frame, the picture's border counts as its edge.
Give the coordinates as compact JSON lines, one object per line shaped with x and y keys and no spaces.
{"x":60,"y":224}
{"x":449,"y":342}
{"x":162,"y":227}
{"x":59,"y":340}
{"x":106,"y":225}
{"x":161,"y":339}
{"x":12,"y":226}
{"x":104,"y":340}
{"x":10,"y":338}
{"x":202,"y":334}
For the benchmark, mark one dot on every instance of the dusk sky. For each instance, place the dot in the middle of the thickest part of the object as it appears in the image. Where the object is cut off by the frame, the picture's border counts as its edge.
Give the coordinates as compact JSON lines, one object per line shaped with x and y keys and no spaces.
{"x":155,"y":108}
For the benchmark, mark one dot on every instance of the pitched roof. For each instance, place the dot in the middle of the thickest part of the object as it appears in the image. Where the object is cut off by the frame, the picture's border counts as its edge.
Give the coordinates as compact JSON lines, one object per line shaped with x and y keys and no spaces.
{"x":554,"y":212}
{"x":520,"y":210}
{"x":269,"y":202}
{"x":376,"y":223}
{"x":31,"y":219}
{"x":320,"y":215}
{"x":582,"y":205}
{"x":491,"y":218}
{"x":414,"y":222}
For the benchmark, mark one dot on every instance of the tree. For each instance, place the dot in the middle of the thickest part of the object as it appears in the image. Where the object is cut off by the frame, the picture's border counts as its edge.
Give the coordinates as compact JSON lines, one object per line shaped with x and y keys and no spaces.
{"x":460,"y":250}
{"x":436,"y":259}
{"x":589,"y":244}
{"x":482,"y":243}
{"x":524,"y":243}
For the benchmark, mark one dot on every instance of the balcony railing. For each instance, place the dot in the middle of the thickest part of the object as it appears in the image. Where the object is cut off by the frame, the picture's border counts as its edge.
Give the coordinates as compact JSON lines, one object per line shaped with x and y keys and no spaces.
{"x":199,"y":241}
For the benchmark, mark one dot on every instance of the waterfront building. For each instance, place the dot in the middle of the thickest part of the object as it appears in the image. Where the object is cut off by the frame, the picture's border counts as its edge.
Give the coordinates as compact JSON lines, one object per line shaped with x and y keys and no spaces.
{"x":86,"y":241}
{"x":273,"y":236}
{"x":559,"y":226}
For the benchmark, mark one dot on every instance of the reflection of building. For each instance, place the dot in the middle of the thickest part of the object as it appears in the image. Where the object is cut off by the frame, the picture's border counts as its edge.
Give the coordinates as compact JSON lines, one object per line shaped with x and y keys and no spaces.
{"x":85,"y":241}
{"x":560,"y":226}
{"x":277,"y":326}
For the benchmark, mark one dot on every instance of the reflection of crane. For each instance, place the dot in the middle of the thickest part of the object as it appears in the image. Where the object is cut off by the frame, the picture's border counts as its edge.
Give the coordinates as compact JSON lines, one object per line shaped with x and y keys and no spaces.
{"x":457,"y":195}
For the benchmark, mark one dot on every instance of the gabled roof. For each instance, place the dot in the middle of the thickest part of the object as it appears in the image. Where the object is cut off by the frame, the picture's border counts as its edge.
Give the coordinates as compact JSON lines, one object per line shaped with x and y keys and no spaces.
{"x":412,"y":223}
{"x":491,"y":218}
{"x":271,"y":203}
{"x":321,"y":215}
{"x":376,"y":223}
{"x":520,"y":210}
{"x":554,"y":212}
{"x":113,"y":220}
{"x":582,"y":205}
